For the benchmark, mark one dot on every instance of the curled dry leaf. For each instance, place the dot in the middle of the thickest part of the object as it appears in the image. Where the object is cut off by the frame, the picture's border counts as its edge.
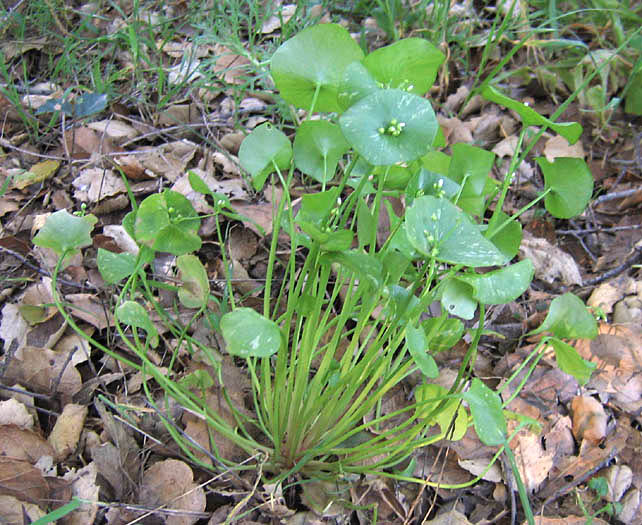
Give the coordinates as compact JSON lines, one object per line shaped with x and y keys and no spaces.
{"x":93,"y":185}
{"x":171,"y":483}
{"x":66,"y":432}
{"x":631,"y":507}
{"x":12,"y":412}
{"x":618,"y":479}
{"x":589,"y":419}
{"x":549,"y":261}
{"x":13,"y":511}
{"x":21,"y":444}
{"x":558,"y":146}
{"x":83,"y":486}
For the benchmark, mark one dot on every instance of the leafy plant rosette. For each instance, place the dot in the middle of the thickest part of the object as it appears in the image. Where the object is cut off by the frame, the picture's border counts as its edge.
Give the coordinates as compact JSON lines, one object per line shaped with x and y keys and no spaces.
{"x":338,"y":332}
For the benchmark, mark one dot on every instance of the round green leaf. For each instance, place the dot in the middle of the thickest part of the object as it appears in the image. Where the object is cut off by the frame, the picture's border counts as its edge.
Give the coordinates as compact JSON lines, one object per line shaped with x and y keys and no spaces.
{"x":314,"y":57}
{"x":318,"y":146}
{"x":262,"y":150}
{"x":357,"y":83}
{"x":571,"y":362}
{"x":443,"y":333}
{"x":63,"y":232}
{"x":429,"y":397}
{"x":135,"y":315}
{"x":410,"y":64}
{"x":509,"y":238}
{"x":390,"y":126}
{"x":457,"y":299}
{"x":501,"y":286}
{"x":418,"y":348}
{"x":571,"y":185}
{"x":249,"y":334}
{"x":486,"y":408}
{"x":114,"y":267}
{"x":568,"y":318}
{"x":437,"y":228}
{"x":195,"y":290}
{"x":167,"y":222}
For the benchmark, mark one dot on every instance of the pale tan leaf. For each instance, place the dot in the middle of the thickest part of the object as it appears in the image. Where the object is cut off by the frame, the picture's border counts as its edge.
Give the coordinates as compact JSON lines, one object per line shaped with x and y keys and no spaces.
{"x":19,"y":443}
{"x":12,"y":412}
{"x":66,"y":432}
{"x":589,"y":419}
{"x":83,"y":484}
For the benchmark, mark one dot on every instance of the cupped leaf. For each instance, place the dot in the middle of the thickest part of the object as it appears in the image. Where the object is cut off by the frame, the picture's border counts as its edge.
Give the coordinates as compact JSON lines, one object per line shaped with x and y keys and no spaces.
{"x":486,"y":408}
{"x":114,"y":267}
{"x":167,"y":222}
{"x":571,"y":131}
{"x":390,"y":126}
{"x":437,"y":228}
{"x":314,"y":60}
{"x":571,"y":185}
{"x":457,"y":299}
{"x":501,"y":286}
{"x":410,"y":64}
{"x":568,"y":318}
{"x":426,"y":182}
{"x":443,"y":333}
{"x":263,"y":151}
{"x":357,"y":83}
{"x":63,"y":232}
{"x":470,"y":167}
{"x":249,"y":334}
{"x":318,"y":147}
{"x":133,"y":314}
{"x":316,"y":207}
{"x":507,"y":239}
{"x":418,"y":348}
{"x":571,"y":362}
{"x":195,"y":289}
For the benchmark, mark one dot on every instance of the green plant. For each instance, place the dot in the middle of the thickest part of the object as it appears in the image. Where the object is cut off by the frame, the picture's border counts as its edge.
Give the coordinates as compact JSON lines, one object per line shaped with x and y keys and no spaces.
{"x":339,"y":331}
{"x":600,"y":486}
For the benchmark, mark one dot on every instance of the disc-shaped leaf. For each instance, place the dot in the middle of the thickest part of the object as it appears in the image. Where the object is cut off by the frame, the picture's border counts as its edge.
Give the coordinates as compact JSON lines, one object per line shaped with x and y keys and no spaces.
{"x":457,"y":298}
{"x":367,"y":126}
{"x":318,"y":146}
{"x":418,"y":348}
{"x":249,"y":334}
{"x":133,"y":314}
{"x":486,"y":408}
{"x":167,"y":222}
{"x":429,"y":397}
{"x":501,"y":286}
{"x":571,"y":185}
{"x":571,"y":362}
{"x":410,"y":64}
{"x":261,"y":150}
{"x":114,"y":267}
{"x":368,"y":267}
{"x":63,"y":232}
{"x":509,"y":238}
{"x":443,"y":333}
{"x":357,"y":83}
{"x":195,"y":289}
{"x":568,"y":318}
{"x":314,"y":57}
{"x":436,"y":227}
{"x":571,"y":131}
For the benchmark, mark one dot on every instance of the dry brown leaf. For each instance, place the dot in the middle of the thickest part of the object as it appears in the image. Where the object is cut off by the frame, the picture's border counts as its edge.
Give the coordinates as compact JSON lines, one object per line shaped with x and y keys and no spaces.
{"x":22,"y":444}
{"x":169,"y":160}
{"x":229,"y":65}
{"x":43,"y":370}
{"x":618,"y":479}
{"x":558,"y":146}
{"x":274,"y":22}
{"x":617,"y":352}
{"x":631,"y":512}
{"x":13,"y":511}
{"x":477,"y":467}
{"x":589,"y":419}
{"x":549,"y":261}
{"x":114,"y":129}
{"x":12,"y":412}
{"x":66,"y":432}
{"x":94,"y":184}
{"x":242,"y":243}
{"x":451,"y":517}
{"x":455,"y":130}
{"x":89,"y":309}
{"x":533,"y":461}
{"x":83,"y":485}
{"x":605,"y":296}
{"x":171,"y":483}
{"x":21,"y":480}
